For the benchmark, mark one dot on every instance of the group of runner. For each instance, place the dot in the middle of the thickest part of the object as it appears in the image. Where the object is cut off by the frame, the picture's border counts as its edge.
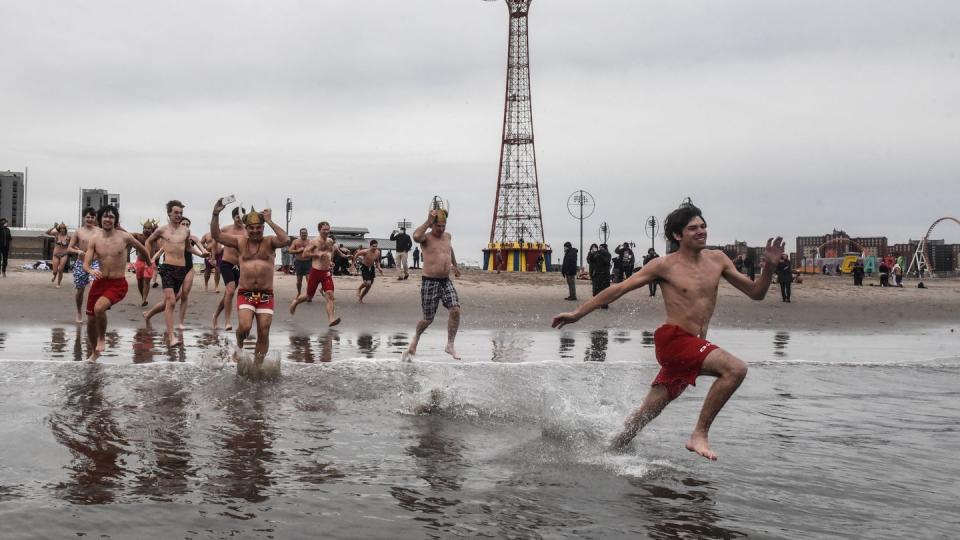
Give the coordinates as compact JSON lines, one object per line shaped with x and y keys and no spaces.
{"x":689,"y":278}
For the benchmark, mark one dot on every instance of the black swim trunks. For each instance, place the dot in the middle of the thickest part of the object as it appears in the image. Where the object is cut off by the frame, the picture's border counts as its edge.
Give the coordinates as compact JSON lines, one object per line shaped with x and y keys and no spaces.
{"x":302,"y":267}
{"x":229,"y":272}
{"x":172,"y":276}
{"x":368,"y":272}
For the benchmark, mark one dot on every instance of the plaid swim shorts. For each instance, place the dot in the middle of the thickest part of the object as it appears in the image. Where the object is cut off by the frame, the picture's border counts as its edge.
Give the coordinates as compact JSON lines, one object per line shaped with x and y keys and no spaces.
{"x":432,"y":291}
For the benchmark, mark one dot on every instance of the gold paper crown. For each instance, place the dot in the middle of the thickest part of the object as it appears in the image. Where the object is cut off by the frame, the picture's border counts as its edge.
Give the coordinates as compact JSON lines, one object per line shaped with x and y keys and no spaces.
{"x":150,"y":224}
{"x":252,"y":217}
{"x":441,"y":215}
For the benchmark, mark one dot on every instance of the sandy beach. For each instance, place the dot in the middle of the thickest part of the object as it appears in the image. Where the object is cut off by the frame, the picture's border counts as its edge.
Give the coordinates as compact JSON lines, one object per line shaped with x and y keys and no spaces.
{"x":526,"y":301}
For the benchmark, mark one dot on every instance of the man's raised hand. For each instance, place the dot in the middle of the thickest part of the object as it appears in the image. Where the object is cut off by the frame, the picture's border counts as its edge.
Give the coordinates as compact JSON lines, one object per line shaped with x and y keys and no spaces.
{"x":267,"y":214}
{"x":774,"y":250}
{"x":219,"y":206}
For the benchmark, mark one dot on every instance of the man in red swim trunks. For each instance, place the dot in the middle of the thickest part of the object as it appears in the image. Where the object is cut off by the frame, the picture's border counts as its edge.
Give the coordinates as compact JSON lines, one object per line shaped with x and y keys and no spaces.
{"x":111,"y":247}
{"x":320,"y":250}
{"x":689,"y":278}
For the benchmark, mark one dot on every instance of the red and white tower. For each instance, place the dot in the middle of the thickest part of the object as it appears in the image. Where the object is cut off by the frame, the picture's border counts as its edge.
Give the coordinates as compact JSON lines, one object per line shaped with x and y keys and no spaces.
{"x":516,"y":233}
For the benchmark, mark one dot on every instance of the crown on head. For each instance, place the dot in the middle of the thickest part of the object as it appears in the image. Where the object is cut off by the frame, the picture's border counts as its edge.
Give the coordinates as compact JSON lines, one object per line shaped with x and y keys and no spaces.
{"x":441,"y":215}
{"x":150,"y":224}
{"x":253,"y":217}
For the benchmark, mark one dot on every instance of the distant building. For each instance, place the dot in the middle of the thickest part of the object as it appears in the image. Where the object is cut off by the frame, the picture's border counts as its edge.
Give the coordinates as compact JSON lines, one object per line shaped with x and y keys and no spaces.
{"x":837,"y":243}
{"x":13,"y":198}
{"x":96,"y":198}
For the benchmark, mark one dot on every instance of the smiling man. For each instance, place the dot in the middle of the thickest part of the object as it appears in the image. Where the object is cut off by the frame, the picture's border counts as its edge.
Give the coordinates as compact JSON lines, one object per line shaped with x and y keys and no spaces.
{"x":689,"y":279}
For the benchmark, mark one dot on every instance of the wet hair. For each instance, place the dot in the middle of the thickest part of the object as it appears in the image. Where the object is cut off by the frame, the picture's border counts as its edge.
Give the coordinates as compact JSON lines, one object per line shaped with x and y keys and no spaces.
{"x":321,"y":224}
{"x":172,"y":204}
{"x":374,"y":243}
{"x":89,"y":211}
{"x":108,"y":208}
{"x":678,"y":219}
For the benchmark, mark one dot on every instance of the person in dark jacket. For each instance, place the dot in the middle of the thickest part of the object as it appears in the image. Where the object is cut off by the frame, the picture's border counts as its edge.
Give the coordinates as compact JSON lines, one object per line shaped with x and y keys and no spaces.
{"x":627,"y":259}
{"x":6,"y":238}
{"x":569,"y":269}
{"x":651,"y":255}
{"x":599,"y":262}
{"x":858,"y":274}
{"x":404,"y":243}
{"x":784,"y":277}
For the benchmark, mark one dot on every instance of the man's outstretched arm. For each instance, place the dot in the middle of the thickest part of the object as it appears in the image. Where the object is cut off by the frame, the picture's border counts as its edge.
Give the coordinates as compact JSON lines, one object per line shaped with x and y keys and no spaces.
{"x":756,"y":290}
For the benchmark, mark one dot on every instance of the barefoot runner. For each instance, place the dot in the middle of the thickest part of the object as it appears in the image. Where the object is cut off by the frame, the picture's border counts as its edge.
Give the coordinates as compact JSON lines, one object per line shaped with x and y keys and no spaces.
{"x":229,"y":270}
{"x":438,"y":260}
{"x":257,"y":253}
{"x":79,"y":242}
{"x":193,"y":248}
{"x":689,"y":279}
{"x":61,"y":252}
{"x":301,"y":262}
{"x":112,"y":248}
{"x":320,"y":250}
{"x":369,"y":266}
{"x":144,"y":267}
{"x":175,"y":237}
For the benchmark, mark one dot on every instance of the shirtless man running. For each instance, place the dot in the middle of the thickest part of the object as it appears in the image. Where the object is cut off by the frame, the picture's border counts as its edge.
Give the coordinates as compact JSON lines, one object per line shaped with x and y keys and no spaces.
{"x":257,"y":254}
{"x":320,"y":250}
{"x":229,"y":270}
{"x":111,"y":247}
{"x":211,"y":263}
{"x":438,"y":260}
{"x":175,"y":238}
{"x":301,"y":262}
{"x":144,"y":267}
{"x":689,"y":279}
{"x":79,"y":243}
{"x":369,"y":266}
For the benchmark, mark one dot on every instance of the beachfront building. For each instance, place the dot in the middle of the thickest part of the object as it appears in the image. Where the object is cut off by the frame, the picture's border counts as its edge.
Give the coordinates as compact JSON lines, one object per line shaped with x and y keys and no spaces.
{"x":13,"y":198}
{"x":838,"y":242}
{"x":96,"y":198}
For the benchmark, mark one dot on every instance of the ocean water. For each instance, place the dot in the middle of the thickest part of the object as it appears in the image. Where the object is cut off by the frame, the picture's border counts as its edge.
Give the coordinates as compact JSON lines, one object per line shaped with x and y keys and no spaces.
{"x":830,"y":436}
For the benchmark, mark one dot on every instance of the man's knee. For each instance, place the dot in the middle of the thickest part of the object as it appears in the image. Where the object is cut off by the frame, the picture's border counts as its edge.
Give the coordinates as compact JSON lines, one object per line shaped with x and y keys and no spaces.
{"x":737,"y":369}
{"x":455,"y":311}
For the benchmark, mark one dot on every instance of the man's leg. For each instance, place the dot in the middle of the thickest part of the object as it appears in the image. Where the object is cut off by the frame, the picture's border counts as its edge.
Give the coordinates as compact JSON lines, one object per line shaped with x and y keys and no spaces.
{"x":244,"y":324}
{"x":730,"y":372}
{"x":97,"y":328}
{"x":169,"y":303}
{"x":331,"y":316}
{"x":79,"y":300}
{"x":572,"y":287}
{"x":93,"y":335}
{"x":185,"y":297}
{"x":264,"y":320}
{"x":299,"y":283}
{"x":421,"y":328}
{"x":453,"y":324}
{"x":657,"y":398}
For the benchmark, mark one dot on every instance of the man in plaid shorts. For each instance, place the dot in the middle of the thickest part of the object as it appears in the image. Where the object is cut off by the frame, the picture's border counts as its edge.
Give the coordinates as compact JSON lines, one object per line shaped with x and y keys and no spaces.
{"x":438,"y":260}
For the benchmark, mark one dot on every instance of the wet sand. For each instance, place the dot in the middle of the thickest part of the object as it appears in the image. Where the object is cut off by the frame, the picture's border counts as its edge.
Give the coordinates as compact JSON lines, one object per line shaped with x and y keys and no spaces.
{"x":525,"y":301}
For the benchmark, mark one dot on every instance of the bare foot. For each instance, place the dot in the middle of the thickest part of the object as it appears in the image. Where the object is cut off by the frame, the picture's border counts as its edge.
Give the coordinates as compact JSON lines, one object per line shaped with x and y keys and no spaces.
{"x":451,"y":351}
{"x":621,"y":440}
{"x":181,"y":326}
{"x":698,"y":443}
{"x":293,"y":307}
{"x":79,"y":319}
{"x":174,"y":342}
{"x":93,"y":356}
{"x":334,"y":322}
{"x":146,"y":316}
{"x":407,"y":355}
{"x":58,"y":285}
{"x":101,"y":346}
{"x":228,"y":327}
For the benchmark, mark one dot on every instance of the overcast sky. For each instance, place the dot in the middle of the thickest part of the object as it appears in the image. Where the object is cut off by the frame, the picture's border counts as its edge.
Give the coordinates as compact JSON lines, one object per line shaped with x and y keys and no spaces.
{"x":776,"y":117}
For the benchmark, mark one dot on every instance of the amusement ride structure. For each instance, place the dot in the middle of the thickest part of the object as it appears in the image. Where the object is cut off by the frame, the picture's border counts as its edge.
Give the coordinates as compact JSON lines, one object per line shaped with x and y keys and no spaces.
{"x":516,"y":232}
{"x":920,"y":259}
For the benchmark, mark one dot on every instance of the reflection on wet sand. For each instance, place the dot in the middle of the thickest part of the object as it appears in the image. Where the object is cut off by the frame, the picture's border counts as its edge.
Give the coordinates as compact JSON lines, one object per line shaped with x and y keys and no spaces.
{"x":3,"y":340}
{"x":780,"y":341}
{"x":646,"y":340}
{"x":438,"y":456}
{"x":163,"y":444}
{"x":672,"y":514}
{"x":599,"y":341}
{"x":143,"y":341}
{"x":85,"y":425}
{"x":567,"y":343}
{"x":245,"y":446}
{"x":367,"y":345}
{"x":398,"y":342}
{"x":301,"y":348}
{"x":509,"y":347}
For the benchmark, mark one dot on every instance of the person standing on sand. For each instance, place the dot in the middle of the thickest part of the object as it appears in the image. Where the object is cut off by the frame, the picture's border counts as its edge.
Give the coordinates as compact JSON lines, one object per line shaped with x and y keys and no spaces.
{"x":784,"y":277}
{"x":320,"y":250}
{"x":175,"y":237}
{"x":404,"y":243}
{"x":569,"y":270}
{"x":79,"y":242}
{"x":599,"y":261}
{"x":6,"y":239}
{"x":416,"y":257}
{"x":257,"y":256}
{"x":651,"y":255}
{"x":690,"y":278}
{"x":229,"y":270}
{"x":369,"y":266}
{"x":111,"y":247}
{"x":438,"y":260}
{"x":301,"y":262}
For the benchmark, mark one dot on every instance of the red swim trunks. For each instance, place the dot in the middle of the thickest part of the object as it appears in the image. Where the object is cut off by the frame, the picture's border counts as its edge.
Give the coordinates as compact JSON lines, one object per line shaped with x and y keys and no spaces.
{"x":680,"y":355}
{"x":319,"y":277}
{"x":113,"y":289}
{"x":255,"y":301}
{"x":143,"y":270}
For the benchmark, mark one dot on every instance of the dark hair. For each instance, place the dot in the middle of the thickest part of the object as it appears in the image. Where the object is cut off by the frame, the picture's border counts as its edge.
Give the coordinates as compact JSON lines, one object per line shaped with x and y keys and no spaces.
{"x":678,"y":219}
{"x":89,"y":211}
{"x":594,"y":246}
{"x":173,"y":203}
{"x":374,"y":243}
{"x":321,"y":224}
{"x":185,"y":218}
{"x":236,"y":211}
{"x":108,"y":208}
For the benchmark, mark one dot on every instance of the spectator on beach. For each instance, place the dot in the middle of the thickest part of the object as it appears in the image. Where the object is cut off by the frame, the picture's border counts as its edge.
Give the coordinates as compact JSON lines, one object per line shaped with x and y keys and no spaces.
{"x":651,"y":255}
{"x":569,"y":269}
{"x":627,"y":259}
{"x":416,"y":257}
{"x":858,"y":274}
{"x":617,"y":270}
{"x":738,"y":263}
{"x":599,"y":262}
{"x":404,"y":243}
{"x":391,"y":262}
{"x":6,"y":238}
{"x":898,"y":275}
{"x":884,"y":274}
{"x":749,"y":268}
{"x":784,"y":277}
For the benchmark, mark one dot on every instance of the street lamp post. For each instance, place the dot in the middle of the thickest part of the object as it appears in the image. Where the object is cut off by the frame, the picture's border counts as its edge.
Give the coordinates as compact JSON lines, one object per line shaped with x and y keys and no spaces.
{"x":581,"y":205}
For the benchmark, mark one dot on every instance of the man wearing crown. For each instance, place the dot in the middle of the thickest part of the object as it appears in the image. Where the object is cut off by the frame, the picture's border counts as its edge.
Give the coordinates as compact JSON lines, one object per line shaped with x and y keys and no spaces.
{"x":144,"y":267}
{"x":255,"y":299}
{"x":174,"y":237}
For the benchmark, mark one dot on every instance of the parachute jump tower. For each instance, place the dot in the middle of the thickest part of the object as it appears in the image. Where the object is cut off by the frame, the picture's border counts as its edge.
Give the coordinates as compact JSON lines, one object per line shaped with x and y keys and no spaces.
{"x":516,"y":233}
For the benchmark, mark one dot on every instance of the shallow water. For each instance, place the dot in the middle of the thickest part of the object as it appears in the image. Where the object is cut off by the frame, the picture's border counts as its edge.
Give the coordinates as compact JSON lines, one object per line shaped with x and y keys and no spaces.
{"x":831,"y":435}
